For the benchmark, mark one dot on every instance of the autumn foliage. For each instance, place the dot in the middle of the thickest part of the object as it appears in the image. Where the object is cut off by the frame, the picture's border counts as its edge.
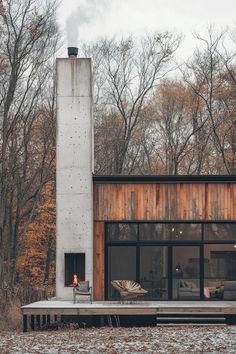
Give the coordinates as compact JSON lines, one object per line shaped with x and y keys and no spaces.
{"x":36,"y":265}
{"x":146,"y":122}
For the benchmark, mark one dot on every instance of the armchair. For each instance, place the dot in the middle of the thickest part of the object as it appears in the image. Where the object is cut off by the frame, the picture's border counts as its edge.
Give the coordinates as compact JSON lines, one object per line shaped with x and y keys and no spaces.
{"x":128,"y":289}
{"x":82,"y":289}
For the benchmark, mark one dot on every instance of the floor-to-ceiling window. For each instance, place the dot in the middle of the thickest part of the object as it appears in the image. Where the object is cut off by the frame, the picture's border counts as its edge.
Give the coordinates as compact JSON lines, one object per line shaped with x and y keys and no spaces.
{"x":153,"y":271}
{"x":185,"y":272}
{"x":173,"y":260}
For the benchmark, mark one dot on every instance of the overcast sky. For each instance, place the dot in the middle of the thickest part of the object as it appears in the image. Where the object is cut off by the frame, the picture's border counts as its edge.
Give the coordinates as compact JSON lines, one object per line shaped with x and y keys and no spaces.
{"x":89,"y":19}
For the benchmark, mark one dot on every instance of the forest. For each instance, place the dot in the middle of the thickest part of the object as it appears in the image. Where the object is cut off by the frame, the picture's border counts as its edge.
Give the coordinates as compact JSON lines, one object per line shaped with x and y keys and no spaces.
{"x":153,"y":114}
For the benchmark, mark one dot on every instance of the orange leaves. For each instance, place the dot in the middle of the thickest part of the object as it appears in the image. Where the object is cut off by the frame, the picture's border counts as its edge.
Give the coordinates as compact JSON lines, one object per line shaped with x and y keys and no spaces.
{"x":34,"y":265}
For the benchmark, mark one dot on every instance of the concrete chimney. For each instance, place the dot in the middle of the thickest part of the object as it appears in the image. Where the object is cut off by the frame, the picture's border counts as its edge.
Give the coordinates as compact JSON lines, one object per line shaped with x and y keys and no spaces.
{"x":74,"y":173}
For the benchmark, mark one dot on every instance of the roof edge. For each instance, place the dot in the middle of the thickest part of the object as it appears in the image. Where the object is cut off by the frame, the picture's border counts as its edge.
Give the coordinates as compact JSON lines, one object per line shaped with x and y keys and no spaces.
{"x":164,"y":179}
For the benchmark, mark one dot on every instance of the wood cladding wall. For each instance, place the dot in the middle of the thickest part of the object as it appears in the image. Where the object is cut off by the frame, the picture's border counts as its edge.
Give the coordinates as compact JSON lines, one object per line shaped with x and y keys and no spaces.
{"x":173,"y":201}
{"x":98,"y":261}
{"x":150,"y":201}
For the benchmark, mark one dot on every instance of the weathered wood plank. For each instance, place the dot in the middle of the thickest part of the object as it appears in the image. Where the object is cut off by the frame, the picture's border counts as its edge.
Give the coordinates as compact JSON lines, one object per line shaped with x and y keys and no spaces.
{"x":223,"y":307}
{"x":98,"y":261}
{"x":172,"y":201}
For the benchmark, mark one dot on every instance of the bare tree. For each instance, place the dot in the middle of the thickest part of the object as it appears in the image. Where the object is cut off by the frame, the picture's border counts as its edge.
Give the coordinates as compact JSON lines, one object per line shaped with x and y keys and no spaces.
{"x":29,"y":40}
{"x":206,"y":75}
{"x":128,"y":72}
{"x":176,"y":120}
{"x":228,"y":57}
{"x":144,"y":124}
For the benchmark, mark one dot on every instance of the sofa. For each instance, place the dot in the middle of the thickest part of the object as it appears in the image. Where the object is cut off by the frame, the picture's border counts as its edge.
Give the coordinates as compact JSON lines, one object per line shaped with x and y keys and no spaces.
{"x":187,"y":290}
{"x":230,"y":290}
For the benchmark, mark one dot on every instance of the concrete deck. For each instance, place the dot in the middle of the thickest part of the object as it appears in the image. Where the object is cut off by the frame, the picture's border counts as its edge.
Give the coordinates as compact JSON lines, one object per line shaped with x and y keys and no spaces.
{"x":54,"y":307}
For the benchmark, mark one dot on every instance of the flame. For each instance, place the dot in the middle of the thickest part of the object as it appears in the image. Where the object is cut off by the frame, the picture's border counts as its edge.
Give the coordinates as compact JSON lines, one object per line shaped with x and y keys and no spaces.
{"x":75,"y":281}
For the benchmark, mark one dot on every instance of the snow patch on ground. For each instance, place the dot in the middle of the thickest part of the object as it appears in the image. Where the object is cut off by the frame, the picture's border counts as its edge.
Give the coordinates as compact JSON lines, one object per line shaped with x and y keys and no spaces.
{"x":162,"y":339}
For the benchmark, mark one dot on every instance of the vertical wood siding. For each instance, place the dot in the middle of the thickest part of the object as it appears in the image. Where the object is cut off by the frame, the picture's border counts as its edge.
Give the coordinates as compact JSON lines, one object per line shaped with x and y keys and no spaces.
{"x":150,"y":201}
{"x":98,"y":261}
{"x":165,"y":201}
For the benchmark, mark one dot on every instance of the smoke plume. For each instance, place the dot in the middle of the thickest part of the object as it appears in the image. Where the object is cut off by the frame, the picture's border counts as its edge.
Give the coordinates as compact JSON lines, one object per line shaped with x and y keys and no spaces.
{"x":86,"y":12}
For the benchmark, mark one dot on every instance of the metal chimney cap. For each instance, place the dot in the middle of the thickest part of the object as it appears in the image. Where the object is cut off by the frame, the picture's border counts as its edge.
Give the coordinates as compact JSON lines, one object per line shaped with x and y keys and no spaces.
{"x":72,"y":52}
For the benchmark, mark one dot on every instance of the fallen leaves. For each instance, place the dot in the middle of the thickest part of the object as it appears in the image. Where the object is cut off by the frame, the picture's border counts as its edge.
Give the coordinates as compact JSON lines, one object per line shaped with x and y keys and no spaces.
{"x":162,"y":339}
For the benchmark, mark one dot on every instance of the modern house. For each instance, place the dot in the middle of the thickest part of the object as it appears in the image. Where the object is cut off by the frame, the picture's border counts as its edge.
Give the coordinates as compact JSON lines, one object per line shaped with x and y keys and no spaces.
{"x":175,"y":235}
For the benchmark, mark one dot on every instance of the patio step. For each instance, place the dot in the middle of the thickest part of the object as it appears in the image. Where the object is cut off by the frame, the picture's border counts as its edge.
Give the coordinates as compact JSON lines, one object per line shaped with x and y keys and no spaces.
{"x":190,"y":319}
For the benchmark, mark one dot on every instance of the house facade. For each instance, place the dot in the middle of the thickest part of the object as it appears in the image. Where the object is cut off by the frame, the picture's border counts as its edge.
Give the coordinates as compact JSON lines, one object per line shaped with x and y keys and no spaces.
{"x":175,"y":235}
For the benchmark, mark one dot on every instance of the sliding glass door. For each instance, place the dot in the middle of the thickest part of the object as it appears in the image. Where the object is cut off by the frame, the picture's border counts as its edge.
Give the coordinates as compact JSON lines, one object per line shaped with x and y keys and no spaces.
{"x":121,"y":266}
{"x":153,"y":265}
{"x":173,"y":260}
{"x":185,"y":272}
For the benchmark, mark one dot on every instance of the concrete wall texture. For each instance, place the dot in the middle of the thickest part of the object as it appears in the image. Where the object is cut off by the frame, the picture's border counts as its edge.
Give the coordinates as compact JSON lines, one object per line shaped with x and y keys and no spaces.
{"x":74,"y":167}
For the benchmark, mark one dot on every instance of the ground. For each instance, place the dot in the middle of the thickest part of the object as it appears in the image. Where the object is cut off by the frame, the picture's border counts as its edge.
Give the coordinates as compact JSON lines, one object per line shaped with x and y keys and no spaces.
{"x":161,"y":339}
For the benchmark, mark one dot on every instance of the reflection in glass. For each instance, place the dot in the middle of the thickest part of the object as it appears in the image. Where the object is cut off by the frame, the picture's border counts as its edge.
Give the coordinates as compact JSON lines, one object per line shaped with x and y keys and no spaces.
{"x":169,"y":232}
{"x":182,"y":232}
{"x":220,"y":232}
{"x":220,"y":274}
{"x":186,"y":272}
{"x":122,"y":232}
{"x":219,"y":261}
{"x":121,"y":266}
{"x":153,"y":271}
{"x":151,"y":232}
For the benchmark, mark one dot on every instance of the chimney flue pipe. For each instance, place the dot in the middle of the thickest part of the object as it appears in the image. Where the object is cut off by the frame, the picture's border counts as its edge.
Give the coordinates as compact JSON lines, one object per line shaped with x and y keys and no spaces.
{"x":72,"y":52}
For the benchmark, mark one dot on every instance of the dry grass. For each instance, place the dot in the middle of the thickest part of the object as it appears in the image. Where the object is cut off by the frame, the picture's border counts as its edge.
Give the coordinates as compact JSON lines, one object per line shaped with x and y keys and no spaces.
{"x":11,"y":318}
{"x":11,"y":301}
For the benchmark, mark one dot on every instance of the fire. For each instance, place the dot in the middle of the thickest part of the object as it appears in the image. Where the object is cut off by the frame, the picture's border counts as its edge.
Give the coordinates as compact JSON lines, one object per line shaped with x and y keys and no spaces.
{"x":75,"y":280}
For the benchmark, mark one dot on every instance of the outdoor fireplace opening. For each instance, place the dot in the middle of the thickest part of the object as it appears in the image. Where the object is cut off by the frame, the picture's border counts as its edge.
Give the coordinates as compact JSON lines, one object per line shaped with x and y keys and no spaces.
{"x":74,"y":264}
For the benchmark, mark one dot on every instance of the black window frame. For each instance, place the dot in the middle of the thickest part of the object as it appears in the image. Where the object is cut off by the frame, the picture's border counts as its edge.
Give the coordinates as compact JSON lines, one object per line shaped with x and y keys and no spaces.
{"x":169,"y":243}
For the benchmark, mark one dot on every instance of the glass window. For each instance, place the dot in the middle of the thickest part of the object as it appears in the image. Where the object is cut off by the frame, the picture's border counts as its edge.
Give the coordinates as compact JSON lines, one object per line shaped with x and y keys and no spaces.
{"x":220,"y":272}
{"x":186,"y":272}
{"x":182,"y":232}
{"x":151,"y":232}
{"x":122,"y":232}
{"x":170,"y":232}
{"x":153,"y":271}
{"x":218,"y":263}
{"x":226,"y":232}
{"x":121,"y":266}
